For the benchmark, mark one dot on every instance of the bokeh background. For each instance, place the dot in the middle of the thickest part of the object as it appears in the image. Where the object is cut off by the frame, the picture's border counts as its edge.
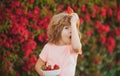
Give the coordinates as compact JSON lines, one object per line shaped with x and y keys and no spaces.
{"x":23,"y":25}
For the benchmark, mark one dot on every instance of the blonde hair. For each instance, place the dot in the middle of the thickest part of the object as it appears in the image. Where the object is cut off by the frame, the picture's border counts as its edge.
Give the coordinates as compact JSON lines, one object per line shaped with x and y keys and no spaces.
{"x":56,"y":26}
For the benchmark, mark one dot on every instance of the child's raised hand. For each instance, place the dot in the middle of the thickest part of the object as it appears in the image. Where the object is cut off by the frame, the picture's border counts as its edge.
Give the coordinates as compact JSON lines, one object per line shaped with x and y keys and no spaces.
{"x":74,"y":18}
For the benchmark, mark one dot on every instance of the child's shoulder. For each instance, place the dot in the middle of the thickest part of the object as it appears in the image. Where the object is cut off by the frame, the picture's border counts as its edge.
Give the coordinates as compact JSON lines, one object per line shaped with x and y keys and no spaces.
{"x":48,"y":44}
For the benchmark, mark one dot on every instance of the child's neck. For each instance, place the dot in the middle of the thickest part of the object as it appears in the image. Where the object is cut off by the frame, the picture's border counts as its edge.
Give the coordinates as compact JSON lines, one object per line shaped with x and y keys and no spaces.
{"x":61,"y":43}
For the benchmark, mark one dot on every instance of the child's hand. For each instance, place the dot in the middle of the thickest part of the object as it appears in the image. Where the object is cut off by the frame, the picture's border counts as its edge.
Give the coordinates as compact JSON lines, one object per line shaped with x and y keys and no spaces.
{"x":74,"y":18}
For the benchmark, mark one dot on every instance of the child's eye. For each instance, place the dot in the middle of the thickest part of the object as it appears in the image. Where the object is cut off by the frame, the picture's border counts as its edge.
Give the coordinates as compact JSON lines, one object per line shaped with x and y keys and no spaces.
{"x":66,"y":27}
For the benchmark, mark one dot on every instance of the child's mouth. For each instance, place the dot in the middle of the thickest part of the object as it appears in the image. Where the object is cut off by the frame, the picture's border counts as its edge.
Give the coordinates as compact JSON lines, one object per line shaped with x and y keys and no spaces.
{"x":70,"y":37}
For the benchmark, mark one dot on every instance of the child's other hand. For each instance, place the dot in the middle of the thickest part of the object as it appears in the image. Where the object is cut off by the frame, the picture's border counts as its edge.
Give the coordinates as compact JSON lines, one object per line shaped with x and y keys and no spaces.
{"x":74,"y":18}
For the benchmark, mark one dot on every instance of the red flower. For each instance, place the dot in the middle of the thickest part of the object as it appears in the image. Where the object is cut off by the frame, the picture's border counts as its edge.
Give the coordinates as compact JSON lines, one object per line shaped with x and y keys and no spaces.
{"x":109,"y":12}
{"x":32,"y":60}
{"x":87,"y":18}
{"x":96,"y":8}
{"x":60,"y":7}
{"x":43,"y":23}
{"x":29,"y":36}
{"x":102,"y":28}
{"x":98,"y":23}
{"x":28,"y":47}
{"x":8,"y":53}
{"x":75,"y":8}
{"x":19,"y":11}
{"x":8,"y":64}
{"x":23,"y":21}
{"x":111,"y":44}
{"x":36,"y":10}
{"x":3,"y":58}
{"x":3,"y":39}
{"x":81,"y":21}
{"x":118,"y":15}
{"x":7,"y":45}
{"x":117,"y":31}
{"x":17,"y":74}
{"x":93,"y":15}
{"x":15,"y":29}
{"x":42,"y":38}
{"x":89,"y":33}
{"x":83,"y":8}
{"x":103,"y":12}
{"x":105,"y":28}
{"x":30,"y":15}
{"x":15,"y":4}
{"x":18,"y":39}
{"x":31,"y":1}
{"x":27,"y":67}
{"x":34,"y":27}
{"x":27,"y":53}
{"x":103,"y":40}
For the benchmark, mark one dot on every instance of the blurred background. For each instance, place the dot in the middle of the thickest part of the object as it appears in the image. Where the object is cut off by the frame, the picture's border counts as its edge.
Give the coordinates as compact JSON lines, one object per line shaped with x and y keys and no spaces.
{"x":23,"y":25}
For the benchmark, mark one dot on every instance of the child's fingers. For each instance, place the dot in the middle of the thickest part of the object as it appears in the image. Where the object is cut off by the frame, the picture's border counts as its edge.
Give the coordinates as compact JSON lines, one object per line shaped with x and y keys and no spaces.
{"x":74,"y":18}
{"x":76,"y":15}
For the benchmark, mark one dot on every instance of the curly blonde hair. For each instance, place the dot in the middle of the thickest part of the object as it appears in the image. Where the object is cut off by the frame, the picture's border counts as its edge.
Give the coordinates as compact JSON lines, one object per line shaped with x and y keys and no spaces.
{"x":56,"y":26}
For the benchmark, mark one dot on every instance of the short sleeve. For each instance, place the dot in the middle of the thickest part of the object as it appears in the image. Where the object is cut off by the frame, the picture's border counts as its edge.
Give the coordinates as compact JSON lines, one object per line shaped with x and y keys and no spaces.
{"x":44,"y":53}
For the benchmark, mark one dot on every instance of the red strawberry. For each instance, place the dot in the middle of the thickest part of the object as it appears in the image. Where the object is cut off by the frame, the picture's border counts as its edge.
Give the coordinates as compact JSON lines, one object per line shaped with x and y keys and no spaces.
{"x":49,"y":67}
{"x":69,"y":10}
{"x":56,"y":67}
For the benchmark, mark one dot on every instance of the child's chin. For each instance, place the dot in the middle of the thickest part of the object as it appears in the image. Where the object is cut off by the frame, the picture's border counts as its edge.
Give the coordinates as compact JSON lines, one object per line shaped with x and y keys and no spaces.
{"x":69,"y":43}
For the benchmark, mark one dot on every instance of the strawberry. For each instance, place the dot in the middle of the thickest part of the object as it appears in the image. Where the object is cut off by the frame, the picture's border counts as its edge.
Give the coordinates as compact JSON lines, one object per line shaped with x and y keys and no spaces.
{"x":56,"y":67}
{"x":49,"y":67}
{"x":69,"y":10}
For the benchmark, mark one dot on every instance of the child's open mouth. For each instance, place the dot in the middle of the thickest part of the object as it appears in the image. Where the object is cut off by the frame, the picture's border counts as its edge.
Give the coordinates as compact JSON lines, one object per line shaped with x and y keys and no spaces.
{"x":70,"y":37}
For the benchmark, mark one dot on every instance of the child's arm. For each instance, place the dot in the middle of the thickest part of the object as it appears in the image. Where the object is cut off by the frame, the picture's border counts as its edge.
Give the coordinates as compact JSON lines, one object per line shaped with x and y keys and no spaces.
{"x":38,"y":66}
{"x":76,"y":43}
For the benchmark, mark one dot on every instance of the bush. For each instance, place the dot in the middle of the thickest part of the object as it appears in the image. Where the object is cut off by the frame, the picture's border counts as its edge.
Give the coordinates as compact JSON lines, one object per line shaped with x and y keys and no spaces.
{"x":23,"y":25}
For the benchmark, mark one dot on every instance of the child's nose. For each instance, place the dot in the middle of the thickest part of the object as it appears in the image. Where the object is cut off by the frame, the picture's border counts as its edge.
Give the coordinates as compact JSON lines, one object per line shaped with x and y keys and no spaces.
{"x":70,"y":30}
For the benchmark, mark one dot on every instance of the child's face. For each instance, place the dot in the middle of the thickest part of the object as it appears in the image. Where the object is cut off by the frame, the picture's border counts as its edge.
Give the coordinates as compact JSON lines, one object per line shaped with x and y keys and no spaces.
{"x":66,"y":35}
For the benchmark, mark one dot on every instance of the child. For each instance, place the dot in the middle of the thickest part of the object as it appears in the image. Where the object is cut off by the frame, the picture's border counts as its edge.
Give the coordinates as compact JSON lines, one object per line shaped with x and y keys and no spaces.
{"x":63,"y":44}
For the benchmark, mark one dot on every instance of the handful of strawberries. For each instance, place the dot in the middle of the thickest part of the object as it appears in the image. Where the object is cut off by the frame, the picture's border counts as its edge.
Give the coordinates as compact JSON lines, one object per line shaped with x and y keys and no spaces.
{"x":49,"y":67}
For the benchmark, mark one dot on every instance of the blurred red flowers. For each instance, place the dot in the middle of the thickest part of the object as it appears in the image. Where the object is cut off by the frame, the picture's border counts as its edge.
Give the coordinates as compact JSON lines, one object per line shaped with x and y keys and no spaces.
{"x":23,"y":25}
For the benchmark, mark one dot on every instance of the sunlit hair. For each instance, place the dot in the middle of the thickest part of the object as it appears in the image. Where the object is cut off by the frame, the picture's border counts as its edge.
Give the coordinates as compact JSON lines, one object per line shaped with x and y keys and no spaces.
{"x":56,"y":26}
